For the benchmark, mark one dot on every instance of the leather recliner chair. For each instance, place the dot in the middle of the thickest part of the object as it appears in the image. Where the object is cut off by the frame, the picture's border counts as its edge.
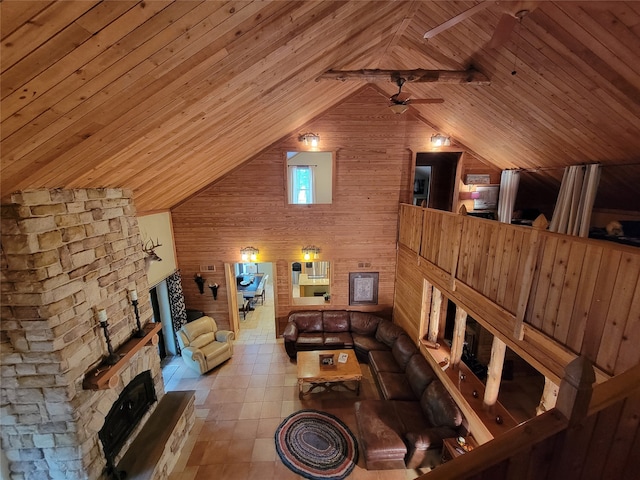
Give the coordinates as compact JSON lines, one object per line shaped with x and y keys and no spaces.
{"x":203,"y":345}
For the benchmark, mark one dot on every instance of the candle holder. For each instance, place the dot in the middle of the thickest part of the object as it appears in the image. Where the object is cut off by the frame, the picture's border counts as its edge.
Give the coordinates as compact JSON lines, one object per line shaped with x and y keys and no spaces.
{"x":112,"y":358}
{"x":139,"y":333}
{"x":133,"y":296}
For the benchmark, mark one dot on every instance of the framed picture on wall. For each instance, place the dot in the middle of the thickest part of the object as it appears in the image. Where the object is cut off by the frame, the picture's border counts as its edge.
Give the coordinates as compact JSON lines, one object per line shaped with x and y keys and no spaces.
{"x":363,"y":288}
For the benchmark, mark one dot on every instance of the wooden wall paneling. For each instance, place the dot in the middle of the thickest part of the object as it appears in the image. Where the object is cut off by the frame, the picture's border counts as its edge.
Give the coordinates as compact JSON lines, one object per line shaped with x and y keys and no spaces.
{"x":586,"y":287}
{"x":411,"y":226}
{"x":600,"y":303}
{"x":556,"y":286}
{"x":567,"y":301}
{"x":473,"y":277}
{"x":505,"y":266}
{"x":514,"y":275}
{"x":448,"y":242}
{"x":569,"y":461}
{"x":624,"y":287}
{"x":621,"y":457}
{"x":542,"y":281}
{"x":629,"y":354}
{"x":485,"y":246}
{"x":496,"y":273}
{"x":602,"y":441}
{"x":465,"y":239}
{"x":248,"y":207}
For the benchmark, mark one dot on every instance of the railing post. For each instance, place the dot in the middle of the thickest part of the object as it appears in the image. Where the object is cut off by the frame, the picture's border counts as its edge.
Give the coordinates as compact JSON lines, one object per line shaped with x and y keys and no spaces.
{"x":575,"y":390}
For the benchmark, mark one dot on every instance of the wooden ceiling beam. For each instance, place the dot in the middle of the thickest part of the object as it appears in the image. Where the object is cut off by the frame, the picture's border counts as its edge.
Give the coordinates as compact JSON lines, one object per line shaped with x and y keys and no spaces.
{"x":470,"y":76}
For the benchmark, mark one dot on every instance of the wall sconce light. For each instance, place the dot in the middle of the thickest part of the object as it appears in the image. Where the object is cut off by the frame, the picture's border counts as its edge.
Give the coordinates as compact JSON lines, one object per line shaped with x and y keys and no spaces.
{"x":200,"y":281}
{"x":310,"y":139}
{"x":310,"y":251}
{"x":249,"y":253}
{"x":439,"y":140}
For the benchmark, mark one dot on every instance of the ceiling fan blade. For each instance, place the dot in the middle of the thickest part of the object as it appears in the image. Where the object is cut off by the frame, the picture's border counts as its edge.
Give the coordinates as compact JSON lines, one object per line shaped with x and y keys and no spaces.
{"x":457,"y":19}
{"x":401,"y":97}
{"x":417,"y":101}
{"x":503,"y":30}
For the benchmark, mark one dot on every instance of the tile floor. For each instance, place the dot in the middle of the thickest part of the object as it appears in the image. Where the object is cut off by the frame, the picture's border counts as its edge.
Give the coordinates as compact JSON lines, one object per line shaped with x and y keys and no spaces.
{"x":240,"y":404}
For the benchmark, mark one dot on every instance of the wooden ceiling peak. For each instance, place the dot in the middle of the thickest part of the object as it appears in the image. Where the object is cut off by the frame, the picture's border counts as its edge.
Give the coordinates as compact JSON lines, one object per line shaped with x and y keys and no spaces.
{"x":470,"y":76}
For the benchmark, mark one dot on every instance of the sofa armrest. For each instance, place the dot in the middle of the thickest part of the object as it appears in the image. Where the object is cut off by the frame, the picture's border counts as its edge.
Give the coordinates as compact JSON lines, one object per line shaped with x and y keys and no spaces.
{"x":225,"y":336}
{"x":290,"y":333}
{"x":419,"y":444}
{"x":195,"y":356}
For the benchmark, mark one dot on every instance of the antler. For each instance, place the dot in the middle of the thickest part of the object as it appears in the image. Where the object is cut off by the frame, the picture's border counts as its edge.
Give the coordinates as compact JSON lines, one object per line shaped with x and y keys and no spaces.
{"x":149,"y":249}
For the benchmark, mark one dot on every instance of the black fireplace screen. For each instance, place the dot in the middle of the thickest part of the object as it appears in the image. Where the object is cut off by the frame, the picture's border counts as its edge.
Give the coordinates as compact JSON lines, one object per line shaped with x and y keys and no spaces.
{"x":126,"y":413}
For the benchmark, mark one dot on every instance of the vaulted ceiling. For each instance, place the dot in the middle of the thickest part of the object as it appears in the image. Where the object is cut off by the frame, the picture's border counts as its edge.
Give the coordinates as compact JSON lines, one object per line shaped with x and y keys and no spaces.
{"x":166,"y":97}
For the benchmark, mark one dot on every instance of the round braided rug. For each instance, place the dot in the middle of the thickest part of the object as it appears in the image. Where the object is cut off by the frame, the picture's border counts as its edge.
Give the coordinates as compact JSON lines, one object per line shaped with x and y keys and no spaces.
{"x":316,"y":445}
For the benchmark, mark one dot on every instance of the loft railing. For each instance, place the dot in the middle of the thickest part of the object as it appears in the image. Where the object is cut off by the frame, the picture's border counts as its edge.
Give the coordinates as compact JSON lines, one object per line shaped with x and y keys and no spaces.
{"x":581,"y":295}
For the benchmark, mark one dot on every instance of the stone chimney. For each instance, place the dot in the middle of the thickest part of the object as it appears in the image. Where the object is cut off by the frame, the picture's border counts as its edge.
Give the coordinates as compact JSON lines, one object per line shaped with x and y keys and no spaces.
{"x":65,"y":255}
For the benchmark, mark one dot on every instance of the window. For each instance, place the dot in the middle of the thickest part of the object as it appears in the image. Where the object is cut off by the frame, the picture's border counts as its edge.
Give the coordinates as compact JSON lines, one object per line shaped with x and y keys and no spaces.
{"x":302,"y":184}
{"x":309,"y":177}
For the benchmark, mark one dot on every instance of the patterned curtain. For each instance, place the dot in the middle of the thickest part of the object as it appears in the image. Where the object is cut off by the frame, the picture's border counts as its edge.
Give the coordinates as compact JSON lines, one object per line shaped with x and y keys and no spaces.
{"x":176,"y":304}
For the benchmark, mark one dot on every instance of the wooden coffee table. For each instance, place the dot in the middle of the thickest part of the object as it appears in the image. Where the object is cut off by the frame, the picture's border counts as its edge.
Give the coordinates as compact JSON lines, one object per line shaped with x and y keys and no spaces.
{"x":311,"y":372}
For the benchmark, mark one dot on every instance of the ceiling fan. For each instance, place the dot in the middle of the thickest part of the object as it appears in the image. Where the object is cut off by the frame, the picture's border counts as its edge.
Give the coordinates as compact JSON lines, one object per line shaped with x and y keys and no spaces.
{"x":399,"y":102}
{"x":513,"y":13}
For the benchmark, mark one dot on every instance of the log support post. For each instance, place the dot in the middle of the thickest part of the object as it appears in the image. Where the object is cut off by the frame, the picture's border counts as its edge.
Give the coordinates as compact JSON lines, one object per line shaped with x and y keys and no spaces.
{"x":549,"y":397}
{"x":434,"y":317}
{"x":494,"y":374}
{"x":459,"y":330}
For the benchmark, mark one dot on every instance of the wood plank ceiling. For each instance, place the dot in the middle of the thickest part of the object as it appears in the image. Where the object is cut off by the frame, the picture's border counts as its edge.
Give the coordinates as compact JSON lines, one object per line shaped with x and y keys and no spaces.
{"x":166,"y":97}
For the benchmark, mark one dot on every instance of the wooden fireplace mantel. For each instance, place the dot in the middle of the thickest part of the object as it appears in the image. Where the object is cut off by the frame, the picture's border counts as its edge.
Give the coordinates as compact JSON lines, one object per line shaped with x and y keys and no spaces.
{"x":106,"y":376}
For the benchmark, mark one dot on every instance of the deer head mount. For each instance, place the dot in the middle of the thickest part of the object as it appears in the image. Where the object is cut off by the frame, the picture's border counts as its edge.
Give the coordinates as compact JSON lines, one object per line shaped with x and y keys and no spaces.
{"x":149,"y":248}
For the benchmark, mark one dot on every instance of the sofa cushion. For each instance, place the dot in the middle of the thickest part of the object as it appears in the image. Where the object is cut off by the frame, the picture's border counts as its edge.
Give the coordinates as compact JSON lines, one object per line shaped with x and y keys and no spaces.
{"x":419,"y":373}
{"x":335,"y":321}
{"x":338,"y":340}
{"x":308,"y":321}
{"x":364,"y":323}
{"x":383,"y":361}
{"x":403,"y":349}
{"x":202,"y":340}
{"x":310,"y":341}
{"x":366,"y":343}
{"x":395,"y":386}
{"x":439,"y":407}
{"x":388,"y":332}
{"x":409,"y":415}
{"x":199,"y":327}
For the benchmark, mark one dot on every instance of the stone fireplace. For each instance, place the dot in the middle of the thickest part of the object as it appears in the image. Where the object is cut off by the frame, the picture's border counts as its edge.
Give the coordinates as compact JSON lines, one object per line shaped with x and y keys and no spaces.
{"x":65,"y":255}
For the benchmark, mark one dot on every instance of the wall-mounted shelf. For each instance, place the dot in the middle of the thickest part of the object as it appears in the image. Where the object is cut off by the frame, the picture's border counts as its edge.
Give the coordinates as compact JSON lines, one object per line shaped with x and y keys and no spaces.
{"x":106,"y":376}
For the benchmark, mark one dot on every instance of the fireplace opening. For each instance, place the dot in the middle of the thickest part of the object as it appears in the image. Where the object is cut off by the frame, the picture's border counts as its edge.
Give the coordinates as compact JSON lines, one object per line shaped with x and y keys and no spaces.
{"x":125,"y":414}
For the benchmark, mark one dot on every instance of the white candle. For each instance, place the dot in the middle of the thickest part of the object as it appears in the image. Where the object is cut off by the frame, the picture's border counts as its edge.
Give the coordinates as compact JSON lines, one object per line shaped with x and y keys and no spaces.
{"x":133,"y":295}
{"x":102,"y":316}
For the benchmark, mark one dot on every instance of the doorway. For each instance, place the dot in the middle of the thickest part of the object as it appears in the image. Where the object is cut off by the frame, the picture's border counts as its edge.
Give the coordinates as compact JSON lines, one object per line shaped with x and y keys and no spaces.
{"x":442,"y":167}
{"x":253,"y":288}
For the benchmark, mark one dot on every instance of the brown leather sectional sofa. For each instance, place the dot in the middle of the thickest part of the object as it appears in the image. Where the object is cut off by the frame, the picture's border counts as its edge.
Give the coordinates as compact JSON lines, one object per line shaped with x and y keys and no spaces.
{"x":405,"y":429}
{"x":336,"y":329}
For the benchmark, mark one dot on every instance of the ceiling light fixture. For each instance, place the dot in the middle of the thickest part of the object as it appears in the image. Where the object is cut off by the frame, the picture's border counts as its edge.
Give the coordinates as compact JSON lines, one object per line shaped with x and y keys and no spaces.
{"x":310,"y":139}
{"x":398,"y":108}
{"x":249,"y":253}
{"x":439,"y":140}
{"x":309,"y":251}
